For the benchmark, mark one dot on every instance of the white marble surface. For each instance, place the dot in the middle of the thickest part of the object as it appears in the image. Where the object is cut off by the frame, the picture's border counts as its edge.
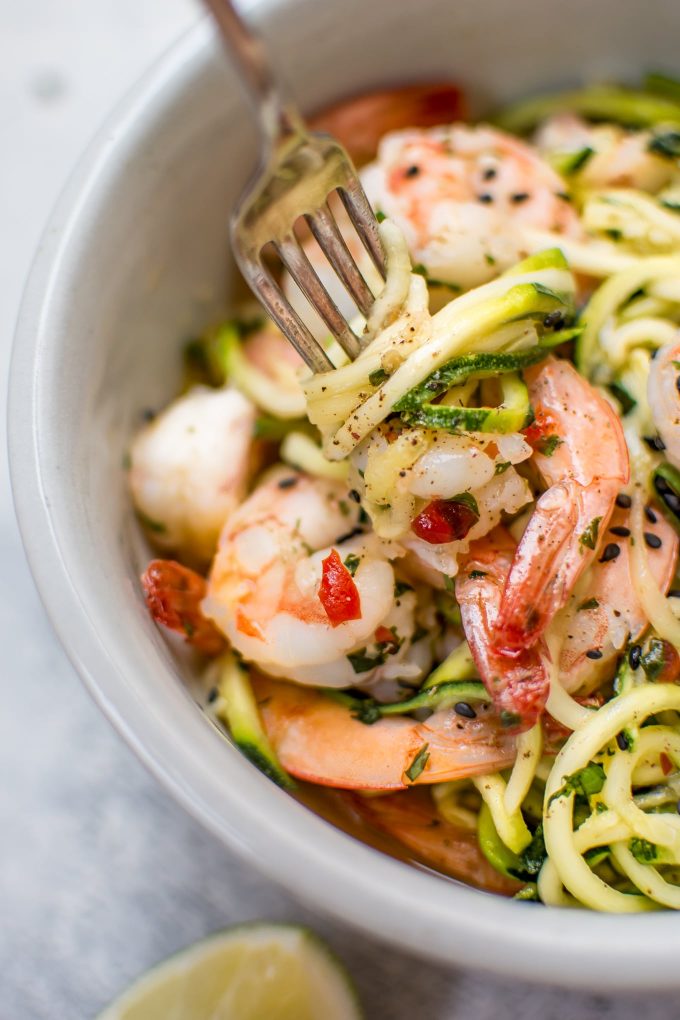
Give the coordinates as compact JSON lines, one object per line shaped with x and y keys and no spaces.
{"x":101,"y":874}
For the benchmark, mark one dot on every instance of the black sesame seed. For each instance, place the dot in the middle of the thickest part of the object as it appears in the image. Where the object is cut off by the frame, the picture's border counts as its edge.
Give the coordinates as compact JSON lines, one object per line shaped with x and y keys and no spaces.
{"x":594,"y":653}
{"x":622,"y":741}
{"x":212,"y":695}
{"x":654,"y":353}
{"x":412,"y":171}
{"x":653,"y":541}
{"x":520,"y":196}
{"x":486,"y":198}
{"x":611,"y":551}
{"x":677,"y":382}
{"x":624,"y":501}
{"x":467,"y":711}
{"x":287,"y":483}
{"x":650,"y":515}
{"x":655,"y":443}
{"x":553,"y":320}
{"x":489,"y":173}
{"x":634,"y":656}
{"x":353,"y":494}
{"x":672,"y":502}
{"x":619,"y":530}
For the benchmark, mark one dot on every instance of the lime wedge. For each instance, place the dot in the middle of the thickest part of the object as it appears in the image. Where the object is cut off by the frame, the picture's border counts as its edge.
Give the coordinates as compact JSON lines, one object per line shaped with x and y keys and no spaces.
{"x":251,"y":972}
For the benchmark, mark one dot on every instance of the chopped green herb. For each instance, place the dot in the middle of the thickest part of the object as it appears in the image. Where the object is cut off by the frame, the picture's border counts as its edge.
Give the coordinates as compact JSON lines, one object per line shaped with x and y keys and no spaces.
{"x":589,"y":536}
{"x":643,"y":851}
{"x":501,"y":468}
{"x":468,"y":500}
{"x":400,"y":587}
{"x":586,"y":781}
{"x":655,"y":659}
{"x":380,"y":215}
{"x":421,"y":270}
{"x":588,"y":604}
{"x":534,"y":855}
{"x":378,"y":377}
{"x":363,"y":663}
{"x":509,"y":719}
{"x":352,"y":562}
{"x":489,"y":259}
{"x":188,"y":627}
{"x":418,"y":764}
{"x":449,"y":583}
{"x":669,"y":204}
{"x":666,"y":143}
{"x":549,"y":444}
{"x":624,"y":398}
{"x":156,"y":526}
{"x":343,"y":507}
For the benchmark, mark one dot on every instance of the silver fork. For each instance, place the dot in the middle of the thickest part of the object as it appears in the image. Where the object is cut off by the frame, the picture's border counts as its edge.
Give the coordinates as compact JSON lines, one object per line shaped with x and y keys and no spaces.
{"x":298,"y":173}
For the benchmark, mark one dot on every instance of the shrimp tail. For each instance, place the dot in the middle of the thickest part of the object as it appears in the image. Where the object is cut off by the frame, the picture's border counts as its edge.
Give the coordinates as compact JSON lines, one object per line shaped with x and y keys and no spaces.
{"x":173,"y":595}
{"x":518,"y":682}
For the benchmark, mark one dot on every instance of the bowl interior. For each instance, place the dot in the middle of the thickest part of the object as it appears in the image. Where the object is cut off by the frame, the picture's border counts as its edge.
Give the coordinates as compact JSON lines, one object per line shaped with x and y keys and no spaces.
{"x":134,"y":263}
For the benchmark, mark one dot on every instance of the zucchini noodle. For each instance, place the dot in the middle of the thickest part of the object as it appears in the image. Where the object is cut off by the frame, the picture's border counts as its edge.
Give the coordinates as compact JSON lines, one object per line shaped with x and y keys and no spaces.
{"x":462,"y":586}
{"x":393,"y":296}
{"x":565,"y":848}
{"x":654,"y":602}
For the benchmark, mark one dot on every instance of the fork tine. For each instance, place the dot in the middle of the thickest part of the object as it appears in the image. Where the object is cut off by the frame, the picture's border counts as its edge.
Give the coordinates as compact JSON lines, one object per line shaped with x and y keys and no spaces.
{"x":332,"y":244}
{"x":296,"y":262}
{"x":362,"y":216}
{"x":281,"y":311}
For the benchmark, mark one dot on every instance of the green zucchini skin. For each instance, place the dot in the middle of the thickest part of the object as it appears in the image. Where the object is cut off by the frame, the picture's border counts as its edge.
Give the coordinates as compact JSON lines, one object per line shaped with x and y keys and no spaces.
{"x":512,"y":415}
{"x":441,"y":696}
{"x":237,"y":708}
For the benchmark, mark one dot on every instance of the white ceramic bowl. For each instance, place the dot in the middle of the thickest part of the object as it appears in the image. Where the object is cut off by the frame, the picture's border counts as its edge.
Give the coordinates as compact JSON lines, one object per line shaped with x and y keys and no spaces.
{"x":134,"y":261}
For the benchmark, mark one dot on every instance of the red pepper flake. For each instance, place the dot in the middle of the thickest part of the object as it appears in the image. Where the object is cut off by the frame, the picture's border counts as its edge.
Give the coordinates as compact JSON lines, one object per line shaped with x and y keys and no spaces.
{"x":540,"y":429}
{"x":665,"y":763}
{"x":338,"y":593}
{"x":444,"y":520}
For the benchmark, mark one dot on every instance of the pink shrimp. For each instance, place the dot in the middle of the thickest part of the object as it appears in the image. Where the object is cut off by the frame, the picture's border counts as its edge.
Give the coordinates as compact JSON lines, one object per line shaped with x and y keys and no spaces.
{"x":464,"y":198}
{"x":584,"y":462}
{"x":360,"y":122}
{"x":173,"y":595}
{"x":518,"y":683}
{"x":605,"y":613}
{"x":318,"y":740}
{"x":412,"y":820}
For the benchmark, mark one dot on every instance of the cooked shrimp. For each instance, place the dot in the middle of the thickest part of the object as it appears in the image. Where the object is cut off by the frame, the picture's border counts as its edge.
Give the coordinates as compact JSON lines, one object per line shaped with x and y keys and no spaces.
{"x":603,"y":612}
{"x":481,"y":466}
{"x":318,"y":740}
{"x":173,"y":594}
{"x":518,"y":683}
{"x":412,"y":820}
{"x":584,"y":464}
{"x":611,"y":155}
{"x":663,"y":392}
{"x":360,"y":122}
{"x":280,"y":591}
{"x":463,"y":197}
{"x":190,"y":468}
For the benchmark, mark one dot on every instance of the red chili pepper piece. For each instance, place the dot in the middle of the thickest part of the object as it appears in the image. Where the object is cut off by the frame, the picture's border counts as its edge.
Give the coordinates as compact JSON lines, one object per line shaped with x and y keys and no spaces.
{"x":173,"y":594}
{"x":444,"y":520}
{"x":338,"y":593}
{"x":540,"y":429}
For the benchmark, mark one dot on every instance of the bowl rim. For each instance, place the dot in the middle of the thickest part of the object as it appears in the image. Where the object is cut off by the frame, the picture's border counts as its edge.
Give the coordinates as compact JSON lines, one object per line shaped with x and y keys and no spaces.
{"x":327,"y":868}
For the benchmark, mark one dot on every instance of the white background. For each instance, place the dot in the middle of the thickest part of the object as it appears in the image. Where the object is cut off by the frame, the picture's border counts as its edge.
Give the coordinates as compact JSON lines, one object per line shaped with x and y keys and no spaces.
{"x":100,"y":874}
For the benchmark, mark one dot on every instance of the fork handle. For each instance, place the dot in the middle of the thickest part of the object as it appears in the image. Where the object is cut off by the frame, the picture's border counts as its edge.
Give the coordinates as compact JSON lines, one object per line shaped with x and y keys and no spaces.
{"x":277,"y":119}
